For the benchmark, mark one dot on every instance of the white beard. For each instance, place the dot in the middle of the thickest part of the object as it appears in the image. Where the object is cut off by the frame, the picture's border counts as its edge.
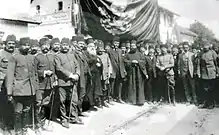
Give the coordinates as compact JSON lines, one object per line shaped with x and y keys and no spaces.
{"x":92,"y":51}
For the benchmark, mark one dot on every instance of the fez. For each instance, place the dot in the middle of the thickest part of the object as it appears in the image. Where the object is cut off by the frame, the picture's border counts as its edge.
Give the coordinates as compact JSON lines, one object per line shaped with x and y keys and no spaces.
{"x":123,"y":45}
{"x":65,"y":41}
{"x":34,"y":42}
{"x":116,"y":39}
{"x":133,"y":42}
{"x":11,"y":38}
{"x":25,"y":41}
{"x":99,"y":43}
{"x":54,"y":40}
{"x":90,"y":40}
{"x":44,"y":41}
{"x":80,"y":38}
{"x":74,"y":38}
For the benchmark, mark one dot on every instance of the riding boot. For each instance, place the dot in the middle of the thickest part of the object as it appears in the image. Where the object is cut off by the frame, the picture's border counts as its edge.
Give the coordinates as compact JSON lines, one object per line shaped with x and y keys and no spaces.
{"x":18,"y":124}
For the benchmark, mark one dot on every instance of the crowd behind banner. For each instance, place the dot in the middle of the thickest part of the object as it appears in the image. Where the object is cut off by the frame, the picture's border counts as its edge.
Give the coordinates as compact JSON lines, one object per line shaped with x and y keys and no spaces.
{"x":59,"y":80}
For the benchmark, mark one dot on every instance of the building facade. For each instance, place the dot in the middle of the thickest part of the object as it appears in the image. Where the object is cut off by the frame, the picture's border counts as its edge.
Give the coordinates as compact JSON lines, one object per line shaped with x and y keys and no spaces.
{"x":57,"y":17}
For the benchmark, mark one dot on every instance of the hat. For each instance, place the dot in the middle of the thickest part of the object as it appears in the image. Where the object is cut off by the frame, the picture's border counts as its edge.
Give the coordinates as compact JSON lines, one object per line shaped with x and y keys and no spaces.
{"x":133,"y":42}
{"x":150,"y":47}
{"x":74,"y":38}
{"x":164,"y":46}
{"x":34,"y":42}
{"x":65,"y":40}
{"x":80,"y":38}
{"x":99,"y":43}
{"x":11,"y":38}
{"x":25,"y":41}
{"x":157,"y":46}
{"x":123,"y":45}
{"x":116,"y":39}
{"x":44,"y":41}
{"x":90,"y":40}
{"x":49,"y":36}
{"x":54,"y":40}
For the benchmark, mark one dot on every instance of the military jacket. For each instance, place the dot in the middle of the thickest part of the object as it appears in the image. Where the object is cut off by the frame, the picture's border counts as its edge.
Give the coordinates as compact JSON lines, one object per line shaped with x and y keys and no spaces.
{"x":45,"y":62}
{"x":22,"y":77}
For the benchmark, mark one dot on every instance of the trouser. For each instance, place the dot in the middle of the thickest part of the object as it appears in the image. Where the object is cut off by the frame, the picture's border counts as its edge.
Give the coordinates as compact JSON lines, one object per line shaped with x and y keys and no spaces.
{"x":7,"y":111}
{"x":149,"y":86}
{"x":43,"y":109}
{"x":189,"y":88}
{"x":82,"y":90}
{"x":208,"y":91}
{"x":167,"y":91}
{"x":116,"y":86}
{"x":22,"y":109}
{"x":66,"y":93}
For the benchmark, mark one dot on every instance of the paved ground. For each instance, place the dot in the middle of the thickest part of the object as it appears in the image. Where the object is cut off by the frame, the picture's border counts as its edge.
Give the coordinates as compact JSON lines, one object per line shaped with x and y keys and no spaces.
{"x":123,"y":119}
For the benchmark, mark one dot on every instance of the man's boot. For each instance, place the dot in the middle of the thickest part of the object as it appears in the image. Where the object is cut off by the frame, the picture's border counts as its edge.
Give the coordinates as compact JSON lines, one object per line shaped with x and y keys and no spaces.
{"x":18,"y":124}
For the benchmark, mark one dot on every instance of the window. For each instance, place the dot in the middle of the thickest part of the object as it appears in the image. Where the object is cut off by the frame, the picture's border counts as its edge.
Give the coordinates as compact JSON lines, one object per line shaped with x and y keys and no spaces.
{"x":38,"y":8}
{"x":60,"y":5}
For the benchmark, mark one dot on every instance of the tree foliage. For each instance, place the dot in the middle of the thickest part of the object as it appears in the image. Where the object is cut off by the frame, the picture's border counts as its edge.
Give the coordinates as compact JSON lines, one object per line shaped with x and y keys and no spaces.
{"x":202,"y":31}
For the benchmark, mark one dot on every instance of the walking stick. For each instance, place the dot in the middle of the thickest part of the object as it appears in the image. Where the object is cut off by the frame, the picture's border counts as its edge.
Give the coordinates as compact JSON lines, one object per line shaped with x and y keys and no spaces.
{"x":52,"y":100}
{"x":168,"y":91}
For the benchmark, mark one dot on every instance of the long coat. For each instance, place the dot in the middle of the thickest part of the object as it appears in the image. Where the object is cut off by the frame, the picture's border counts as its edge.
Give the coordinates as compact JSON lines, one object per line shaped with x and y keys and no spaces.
{"x":185,"y":62}
{"x":207,"y":67}
{"x":117,"y":63}
{"x":22,"y":77}
{"x":65,"y":64}
{"x":151,"y":66}
{"x":136,"y":74}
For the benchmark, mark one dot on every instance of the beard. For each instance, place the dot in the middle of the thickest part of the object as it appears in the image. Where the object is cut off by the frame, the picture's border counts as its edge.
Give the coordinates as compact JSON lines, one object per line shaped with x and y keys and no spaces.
{"x":92,"y":51}
{"x":34,"y":51}
{"x":45,"y":50}
{"x":133,"y":50}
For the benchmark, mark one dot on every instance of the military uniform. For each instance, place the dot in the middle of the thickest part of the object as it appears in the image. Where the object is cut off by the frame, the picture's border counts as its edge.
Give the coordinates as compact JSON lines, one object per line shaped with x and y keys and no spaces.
{"x":65,"y":65}
{"x":207,"y":70}
{"x":22,"y":83}
{"x":6,"y":109}
{"x":44,"y":95}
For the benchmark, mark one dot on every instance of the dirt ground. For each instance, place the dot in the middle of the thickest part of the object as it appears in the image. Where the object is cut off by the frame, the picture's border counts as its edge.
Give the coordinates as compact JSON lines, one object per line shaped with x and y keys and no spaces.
{"x":124,"y":119}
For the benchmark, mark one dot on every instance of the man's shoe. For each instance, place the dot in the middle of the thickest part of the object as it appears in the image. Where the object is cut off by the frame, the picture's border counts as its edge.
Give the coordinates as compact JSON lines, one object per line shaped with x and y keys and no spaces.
{"x":77,"y":121}
{"x":93,"y":109}
{"x":83,"y":115}
{"x":65,"y":124}
{"x":120,"y":101}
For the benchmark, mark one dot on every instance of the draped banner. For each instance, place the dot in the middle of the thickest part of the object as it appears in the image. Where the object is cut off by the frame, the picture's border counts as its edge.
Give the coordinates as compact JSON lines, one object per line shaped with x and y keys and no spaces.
{"x":102,"y":19}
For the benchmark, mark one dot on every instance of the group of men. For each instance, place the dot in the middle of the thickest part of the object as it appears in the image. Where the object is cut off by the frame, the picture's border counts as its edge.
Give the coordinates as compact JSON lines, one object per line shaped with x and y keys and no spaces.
{"x":53,"y":78}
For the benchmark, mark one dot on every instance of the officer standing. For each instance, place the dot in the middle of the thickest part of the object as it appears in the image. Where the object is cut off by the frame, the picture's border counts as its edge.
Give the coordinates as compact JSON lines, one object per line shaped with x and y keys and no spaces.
{"x":21,"y":84}
{"x":207,"y":71}
{"x":46,"y":73}
{"x":68,"y":73}
{"x":5,"y":55}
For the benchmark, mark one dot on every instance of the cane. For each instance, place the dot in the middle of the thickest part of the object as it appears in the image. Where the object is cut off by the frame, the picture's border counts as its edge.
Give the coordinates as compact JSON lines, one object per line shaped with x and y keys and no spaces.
{"x":52,"y":101}
{"x":168,"y":91}
{"x":70,"y":108}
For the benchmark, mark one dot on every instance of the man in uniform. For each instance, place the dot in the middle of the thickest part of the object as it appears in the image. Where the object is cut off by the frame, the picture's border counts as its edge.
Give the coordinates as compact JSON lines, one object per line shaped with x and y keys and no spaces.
{"x":21,"y":84}
{"x":207,"y":71}
{"x":5,"y":55}
{"x":55,"y":45}
{"x":47,"y":81}
{"x":34,"y":47}
{"x":68,"y":73}
{"x":186,"y":72}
